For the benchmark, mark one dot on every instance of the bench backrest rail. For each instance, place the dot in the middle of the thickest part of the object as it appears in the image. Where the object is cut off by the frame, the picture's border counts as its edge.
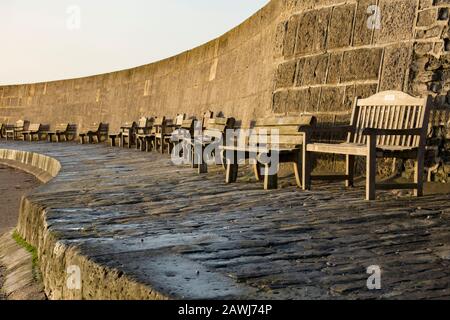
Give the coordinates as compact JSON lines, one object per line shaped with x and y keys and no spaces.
{"x":280,"y":130}
{"x":390,"y":110}
{"x":217,"y":127}
{"x":34,"y":127}
{"x":62,"y":127}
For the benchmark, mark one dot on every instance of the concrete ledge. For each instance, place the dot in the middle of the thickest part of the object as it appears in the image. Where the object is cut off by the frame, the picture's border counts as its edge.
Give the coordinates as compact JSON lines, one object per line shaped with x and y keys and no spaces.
{"x":42,"y":167}
{"x":54,"y":256}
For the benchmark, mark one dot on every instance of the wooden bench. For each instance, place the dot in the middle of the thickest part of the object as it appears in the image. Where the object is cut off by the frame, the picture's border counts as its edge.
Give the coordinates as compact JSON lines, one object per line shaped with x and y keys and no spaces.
{"x":146,"y":140}
{"x":100,"y":131}
{"x":185,"y":131}
{"x":279,"y":139}
{"x":389,"y":124}
{"x":66,"y":130}
{"x":143,"y":129}
{"x":15,"y":131}
{"x":8,"y":131}
{"x":35,"y":130}
{"x":212,"y":136}
{"x":162,"y":139}
{"x":126,"y":131}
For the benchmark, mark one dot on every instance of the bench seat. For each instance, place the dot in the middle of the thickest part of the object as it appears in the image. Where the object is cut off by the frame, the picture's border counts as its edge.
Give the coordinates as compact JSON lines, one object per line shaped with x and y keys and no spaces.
{"x":356,"y":149}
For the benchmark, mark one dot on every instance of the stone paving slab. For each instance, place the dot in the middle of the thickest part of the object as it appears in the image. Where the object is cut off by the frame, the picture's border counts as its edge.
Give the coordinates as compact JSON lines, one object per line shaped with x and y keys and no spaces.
{"x":190,"y":236}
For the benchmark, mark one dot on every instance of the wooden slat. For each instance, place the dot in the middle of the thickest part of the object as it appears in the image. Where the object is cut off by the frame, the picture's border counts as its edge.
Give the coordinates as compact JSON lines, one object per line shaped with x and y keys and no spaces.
{"x":412,"y":124}
{"x":213,"y":133}
{"x":407,"y":125}
{"x":34,"y":127}
{"x":62,"y":127}
{"x":362,"y":120}
{"x":280,"y":129}
{"x":381,"y":123}
{"x":278,"y":121}
{"x":222,"y":121}
{"x":391,"y":98}
{"x":216,"y":126}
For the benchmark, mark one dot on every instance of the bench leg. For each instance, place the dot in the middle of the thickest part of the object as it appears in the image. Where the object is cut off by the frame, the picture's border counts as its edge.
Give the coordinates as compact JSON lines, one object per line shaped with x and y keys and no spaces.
{"x":202,"y":165}
{"x":113,"y":141}
{"x":257,"y":171}
{"x":371,"y":171}
{"x":194,"y":158}
{"x":270,"y":181}
{"x":350,"y":170}
{"x":306,"y":174}
{"x":148,"y":144}
{"x":232,"y":169}
{"x":298,"y":170}
{"x":162,"y":145}
{"x":419,"y":174}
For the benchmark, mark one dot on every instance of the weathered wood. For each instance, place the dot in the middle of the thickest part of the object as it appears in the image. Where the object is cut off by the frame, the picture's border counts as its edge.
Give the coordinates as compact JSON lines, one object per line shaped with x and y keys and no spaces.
{"x":389,"y":124}
{"x":270,"y":136}
{"x":66,"y":130}
{"x":98,"y":131}
{"x":35,"y":130}
{"x":214,"y":133}
{"x":143,"y":132}
{"x":15,"y":131}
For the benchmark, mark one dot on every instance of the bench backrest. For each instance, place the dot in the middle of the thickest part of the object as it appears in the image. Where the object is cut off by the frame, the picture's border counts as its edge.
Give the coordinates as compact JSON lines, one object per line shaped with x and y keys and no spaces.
{"x":34,"y":127}
{"x":206,"y":117}
{"x":129,"y":124}
{"x":103,"y":128}
{"x":391,"y":110}
{"x":21,"y":125}
{"x":100,"y":128}
{"x":145,"y":122}
{"x":217,"y":127}
{"x":159,"y":126}
{"x":179,"y":119}
{"x":144,"y":125}
{"x":61,"y":127}
{"x":281,"y":130}
{"x":188,"y":124}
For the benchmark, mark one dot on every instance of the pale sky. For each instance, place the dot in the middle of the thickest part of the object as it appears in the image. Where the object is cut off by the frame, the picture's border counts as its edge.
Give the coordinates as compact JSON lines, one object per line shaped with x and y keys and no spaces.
{"x":44,"y":40}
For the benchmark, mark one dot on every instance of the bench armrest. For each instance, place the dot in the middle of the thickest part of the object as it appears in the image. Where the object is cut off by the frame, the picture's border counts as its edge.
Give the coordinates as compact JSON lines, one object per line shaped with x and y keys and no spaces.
{"x":392,"y":132}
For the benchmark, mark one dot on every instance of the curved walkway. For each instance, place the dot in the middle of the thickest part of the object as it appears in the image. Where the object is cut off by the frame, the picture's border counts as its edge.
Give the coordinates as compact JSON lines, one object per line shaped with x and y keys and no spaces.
{"x":138,"y":227}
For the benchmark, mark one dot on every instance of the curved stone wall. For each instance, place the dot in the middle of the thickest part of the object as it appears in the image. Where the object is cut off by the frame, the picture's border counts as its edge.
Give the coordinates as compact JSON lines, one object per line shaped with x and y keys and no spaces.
{"x":291,"y":56}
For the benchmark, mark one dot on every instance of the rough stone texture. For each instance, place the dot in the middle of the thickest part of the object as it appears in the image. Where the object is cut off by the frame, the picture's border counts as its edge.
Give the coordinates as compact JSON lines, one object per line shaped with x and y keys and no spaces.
{"x":136,"y":232}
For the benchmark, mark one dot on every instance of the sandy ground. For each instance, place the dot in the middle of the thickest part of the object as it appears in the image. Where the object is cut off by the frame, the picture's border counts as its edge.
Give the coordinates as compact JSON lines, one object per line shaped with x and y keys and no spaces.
{"x":13,"y":185}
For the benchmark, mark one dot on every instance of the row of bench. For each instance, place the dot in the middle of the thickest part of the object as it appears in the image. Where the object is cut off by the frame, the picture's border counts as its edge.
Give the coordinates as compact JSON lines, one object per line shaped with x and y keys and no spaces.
{"x":389,"y":124}
{"x":24,"y":130}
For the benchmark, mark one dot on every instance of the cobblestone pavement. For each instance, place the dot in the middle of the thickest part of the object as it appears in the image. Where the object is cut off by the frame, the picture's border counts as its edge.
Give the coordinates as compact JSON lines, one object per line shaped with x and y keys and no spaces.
{"x":194,"y":236}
